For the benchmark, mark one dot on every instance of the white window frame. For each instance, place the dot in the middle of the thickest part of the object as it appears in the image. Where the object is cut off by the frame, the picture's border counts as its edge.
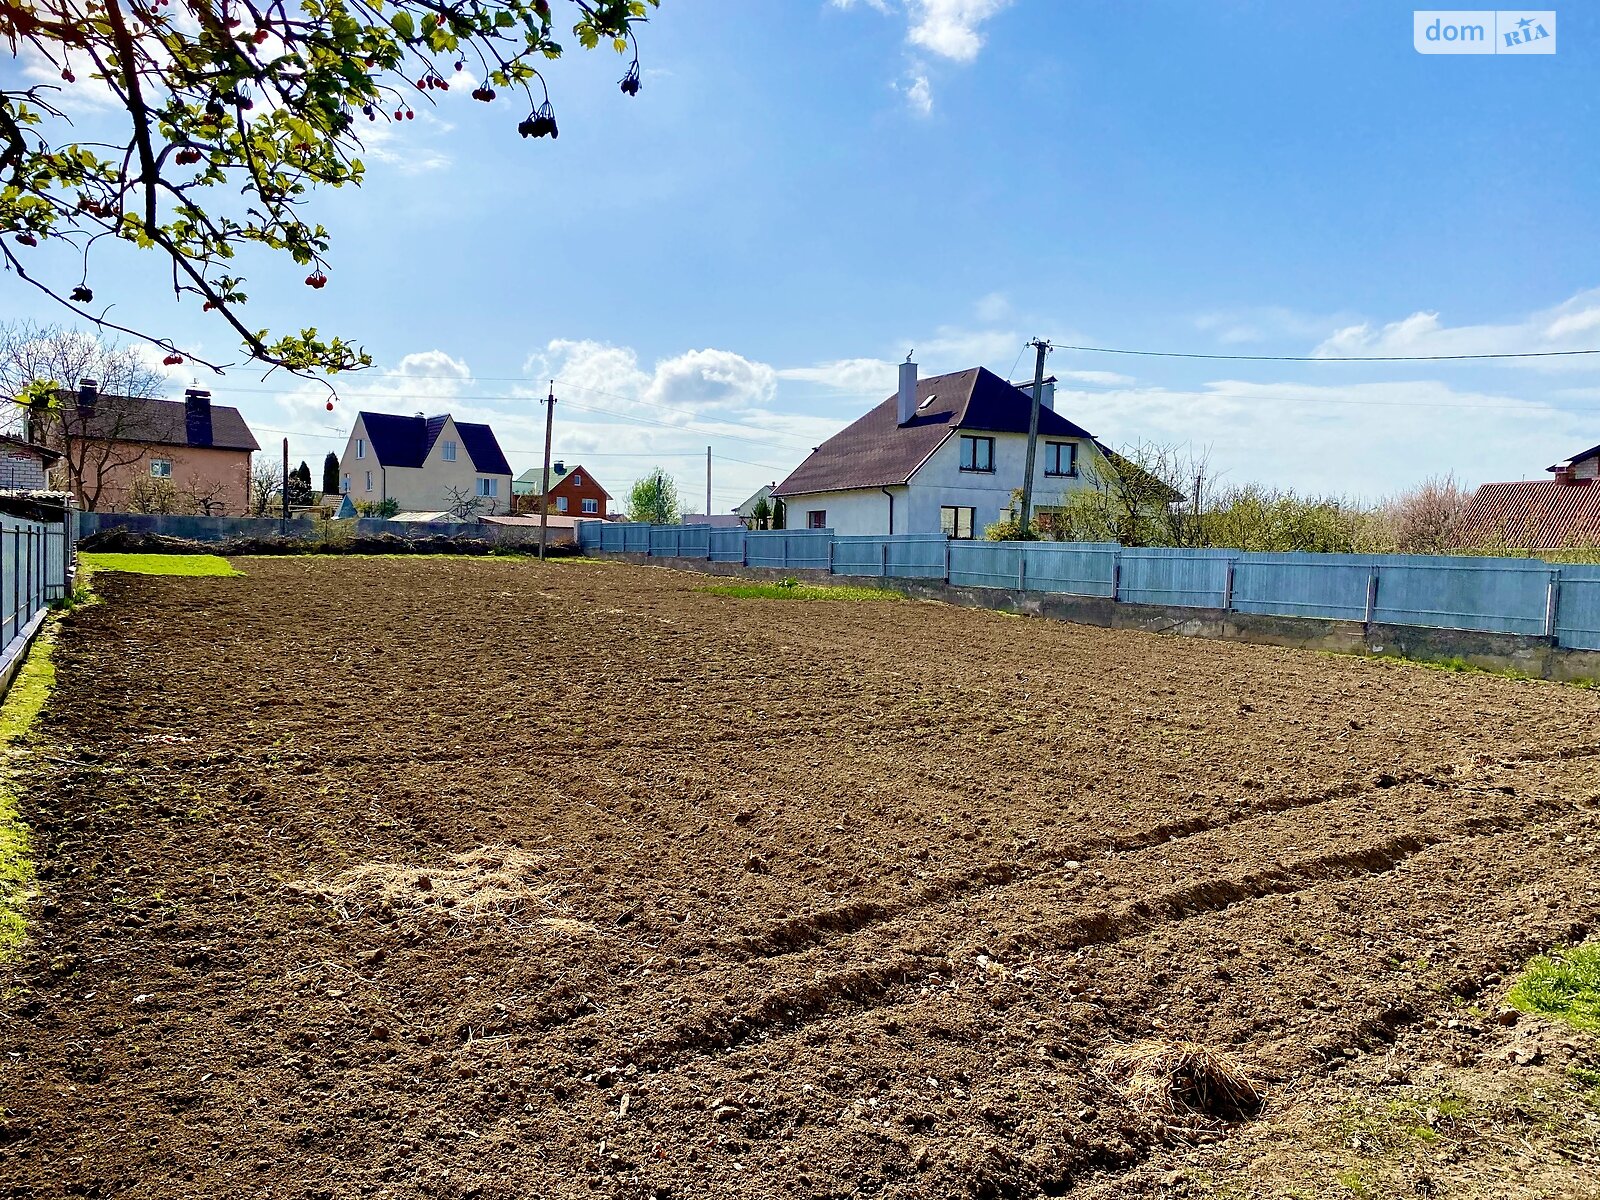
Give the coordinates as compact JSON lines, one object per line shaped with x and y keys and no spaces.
{"x":577,"y":481}
{"x":592,"y":507}
{"x":160,"y":468}
{"x":488,"y":489}
{"x":561,"y":504}
{"x":361,"y":450}
{"x":449,"y":452}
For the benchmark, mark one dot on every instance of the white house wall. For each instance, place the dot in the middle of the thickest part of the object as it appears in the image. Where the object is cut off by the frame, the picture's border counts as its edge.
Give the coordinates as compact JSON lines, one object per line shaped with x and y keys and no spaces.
{"x":941,"y":482}
{"x":859,"y":511}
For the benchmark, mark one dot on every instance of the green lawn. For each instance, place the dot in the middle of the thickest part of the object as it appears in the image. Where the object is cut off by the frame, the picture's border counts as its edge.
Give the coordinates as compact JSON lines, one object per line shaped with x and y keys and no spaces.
{"x":790,"y":590}
{"x":159,"y":564}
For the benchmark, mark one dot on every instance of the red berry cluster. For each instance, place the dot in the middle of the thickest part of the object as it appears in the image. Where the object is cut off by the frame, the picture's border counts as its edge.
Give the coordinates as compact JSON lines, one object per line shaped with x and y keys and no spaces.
{"x":483,"y":92}
{"x":81,"y":294}
{"x":262,"y":35}
{"x":317,"y":280}
{"x":539,"y":123}
{"x":27,"y":239}
{"x":187,"y":155}
{"x":172,"y":360}
{"x":66,"y":73}
{"x":430,"y":82}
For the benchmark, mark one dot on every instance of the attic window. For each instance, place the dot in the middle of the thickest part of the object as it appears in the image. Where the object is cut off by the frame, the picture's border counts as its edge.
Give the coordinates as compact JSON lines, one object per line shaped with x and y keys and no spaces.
{"x":926,"y":403}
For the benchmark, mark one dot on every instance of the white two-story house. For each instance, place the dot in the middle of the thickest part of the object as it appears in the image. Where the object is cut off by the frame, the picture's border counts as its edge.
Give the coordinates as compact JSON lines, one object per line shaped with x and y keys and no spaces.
{"x":424,"y":463}
{"x":942,"y":455}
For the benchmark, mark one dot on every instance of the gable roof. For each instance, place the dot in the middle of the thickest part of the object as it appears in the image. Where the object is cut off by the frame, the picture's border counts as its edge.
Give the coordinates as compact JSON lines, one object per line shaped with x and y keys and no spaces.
{"x":1535,"y":514}
{"x":406,"y":441}
{"x":877,"y":451}
{"x":145,"y":421}
{"x":531,"y":481}
{"x":1591,"y":452}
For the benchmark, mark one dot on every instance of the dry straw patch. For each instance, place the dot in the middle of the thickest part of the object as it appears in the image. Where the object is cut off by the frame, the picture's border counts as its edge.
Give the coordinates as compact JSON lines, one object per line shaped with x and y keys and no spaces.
{"x":1184,"y":1087}
{"x":490,"y":880}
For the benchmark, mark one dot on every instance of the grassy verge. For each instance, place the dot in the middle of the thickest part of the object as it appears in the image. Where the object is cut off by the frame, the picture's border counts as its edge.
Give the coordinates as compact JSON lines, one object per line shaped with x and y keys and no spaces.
{"x":159,"y":564}
{"x":791,"y":589}
{"x":1564,"y":986}
{"x":29,"y":690}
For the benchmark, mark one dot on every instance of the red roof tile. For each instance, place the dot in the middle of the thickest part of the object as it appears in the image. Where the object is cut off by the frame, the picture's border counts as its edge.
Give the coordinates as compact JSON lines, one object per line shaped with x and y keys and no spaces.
{"x":1539,"y":514}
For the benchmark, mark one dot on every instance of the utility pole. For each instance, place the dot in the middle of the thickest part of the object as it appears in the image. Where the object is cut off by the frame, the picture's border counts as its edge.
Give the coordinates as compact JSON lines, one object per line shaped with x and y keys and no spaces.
{"x":1043,"y":348}
{"x":708,"y":485}
{"x":544,"y":500}
{"x":283,"y":528}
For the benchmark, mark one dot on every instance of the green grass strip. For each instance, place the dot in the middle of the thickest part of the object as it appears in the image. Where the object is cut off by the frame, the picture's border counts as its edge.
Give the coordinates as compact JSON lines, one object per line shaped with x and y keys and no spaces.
{"x":160,"y":564}
{"x":1564,"y":986}
{"x":30,"y":688}
{"x":790,"y":590}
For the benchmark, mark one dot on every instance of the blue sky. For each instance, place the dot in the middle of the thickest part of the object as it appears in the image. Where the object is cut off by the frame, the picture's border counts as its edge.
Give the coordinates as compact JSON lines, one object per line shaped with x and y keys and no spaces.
{"x":805,"y":190}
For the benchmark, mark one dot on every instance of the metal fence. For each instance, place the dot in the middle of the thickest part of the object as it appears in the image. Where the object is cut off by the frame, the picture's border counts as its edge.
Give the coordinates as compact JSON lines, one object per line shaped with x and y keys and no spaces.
{"x":35,"y":561}
{"x":1497,"y":595}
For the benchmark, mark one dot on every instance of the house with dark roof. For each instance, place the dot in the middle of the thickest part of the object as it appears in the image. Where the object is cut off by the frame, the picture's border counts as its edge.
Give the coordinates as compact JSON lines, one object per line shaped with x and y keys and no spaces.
{"x":941,"y":455}
{"x":426,"y":464}
{"x":117,"y":451}
{"x":573,"y":491}
{"x":1540,"y":514}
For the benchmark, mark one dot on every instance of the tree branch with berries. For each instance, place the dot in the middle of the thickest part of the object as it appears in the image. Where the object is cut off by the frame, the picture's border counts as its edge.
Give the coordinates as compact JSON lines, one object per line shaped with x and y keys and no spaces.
{"x":237,"y":112}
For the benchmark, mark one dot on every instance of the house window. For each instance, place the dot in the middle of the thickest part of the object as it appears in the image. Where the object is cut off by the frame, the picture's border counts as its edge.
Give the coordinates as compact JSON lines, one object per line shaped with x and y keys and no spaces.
{"x":449,"y":452}
{"x":956,"y":522}
{"x":346,"y":488}
{"x":577,"y":481}
{"x":369,"y":481}
{"x":561,"y":504}
{"x":361,"y":449}
{"x":488,"y":487}
{"x":591,"y":506}
{"x":160,"y":468}
{"x":817,"y":518}
{"x":977,"y":454}
{"x":1061,"y":458}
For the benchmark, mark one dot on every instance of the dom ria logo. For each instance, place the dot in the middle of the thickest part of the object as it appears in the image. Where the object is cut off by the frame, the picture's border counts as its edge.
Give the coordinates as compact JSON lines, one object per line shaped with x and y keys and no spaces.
{"x":1484,"y":32}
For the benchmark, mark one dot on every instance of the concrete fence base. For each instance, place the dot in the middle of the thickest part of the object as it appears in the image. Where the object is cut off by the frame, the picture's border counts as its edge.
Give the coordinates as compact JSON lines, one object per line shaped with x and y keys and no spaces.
{"x":1534,"y":656}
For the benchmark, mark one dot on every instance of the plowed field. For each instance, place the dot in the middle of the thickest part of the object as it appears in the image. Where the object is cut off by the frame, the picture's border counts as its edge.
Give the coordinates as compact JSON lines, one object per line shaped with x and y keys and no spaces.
{"x":455,"y":878}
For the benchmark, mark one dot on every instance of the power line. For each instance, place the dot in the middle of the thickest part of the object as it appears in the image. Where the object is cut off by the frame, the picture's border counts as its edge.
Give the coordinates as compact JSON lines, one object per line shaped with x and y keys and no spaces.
{"x":1328,"y":358}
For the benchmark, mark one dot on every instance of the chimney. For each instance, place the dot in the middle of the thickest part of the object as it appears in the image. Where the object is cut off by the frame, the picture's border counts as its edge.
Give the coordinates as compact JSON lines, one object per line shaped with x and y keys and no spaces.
{"x":1565,"y":474}
{"x":197,"y":416}
{"x":557,"y":467}
{"x":88,"y":393}
{"x":1048,"y":399}
{"x":908,"y":390}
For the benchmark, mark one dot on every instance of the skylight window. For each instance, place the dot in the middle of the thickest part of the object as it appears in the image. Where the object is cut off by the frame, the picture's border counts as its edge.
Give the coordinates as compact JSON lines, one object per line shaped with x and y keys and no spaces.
{"x":926,"y":402}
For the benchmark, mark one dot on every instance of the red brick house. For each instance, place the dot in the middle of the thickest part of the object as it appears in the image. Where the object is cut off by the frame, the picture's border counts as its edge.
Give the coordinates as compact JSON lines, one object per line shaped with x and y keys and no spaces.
{"x":1540,"y":514}
{"x":573,"y":492}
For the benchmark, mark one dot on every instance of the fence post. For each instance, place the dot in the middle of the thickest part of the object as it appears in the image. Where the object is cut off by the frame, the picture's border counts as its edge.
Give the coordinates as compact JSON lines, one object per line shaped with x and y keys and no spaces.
{"x":883,"y":567}
{"x":1227,"y":587}
{"x":1372,"y":596}
{"x":1022,"y":567}
{"x":744,"y":550}
{"x":1116,"y":576}
{"x":16,"y":581}
{"x":1552,"y":603}
{"x":830,"y":556}
{"x":947,"y":562}
{"x":28,"y":594}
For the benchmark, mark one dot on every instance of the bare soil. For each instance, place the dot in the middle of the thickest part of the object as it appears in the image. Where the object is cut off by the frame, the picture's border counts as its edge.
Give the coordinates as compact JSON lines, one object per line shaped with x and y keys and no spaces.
{"x":479,"y":878}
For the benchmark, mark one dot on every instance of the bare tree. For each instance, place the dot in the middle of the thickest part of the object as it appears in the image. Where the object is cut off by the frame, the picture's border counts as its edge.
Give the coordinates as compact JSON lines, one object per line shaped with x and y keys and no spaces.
{"x":41,"y":367}
{"x":208,"y":497}
{"x":266,"y":485}
{"x":464,"y":506}
{"x":1429,"y":518}
{"x":1144,"y":495}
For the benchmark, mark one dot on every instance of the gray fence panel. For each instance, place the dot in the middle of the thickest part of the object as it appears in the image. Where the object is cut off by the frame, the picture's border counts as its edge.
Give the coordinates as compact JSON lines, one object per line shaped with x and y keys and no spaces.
{"x":727,"y":545}
{"x":33,"y":566}
{"x":917,"y":556}
{"x":1330,"y":586}
{"x":1578,"y":610}
{"x":694,"y":541}
{"x":664,"y":540}
{"x":766,"y":548}
{"x":808,"y":550}
{"x":858,"y":555}
{"x":986,"y":564}
{"x":1074,"y":568}
{"x":636,"y":539}
{"x":1183,"y":578}
{"x":1493,"y":594}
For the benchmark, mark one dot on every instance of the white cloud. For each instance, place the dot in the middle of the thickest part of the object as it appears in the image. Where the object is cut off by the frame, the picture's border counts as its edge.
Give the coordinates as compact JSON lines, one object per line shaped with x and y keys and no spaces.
{"x":852,"y":376}
{"x":993,"y":307}
{"x":1362,"y":439}
{"x":919,"y":94}
{"x":1101,"y":377}
{"x":1571,"y":325}
{"x":949,"y":28}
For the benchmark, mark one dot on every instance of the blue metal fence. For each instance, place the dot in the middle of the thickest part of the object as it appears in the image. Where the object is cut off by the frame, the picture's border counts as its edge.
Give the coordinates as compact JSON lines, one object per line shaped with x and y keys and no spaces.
{"x":1499,"y":595}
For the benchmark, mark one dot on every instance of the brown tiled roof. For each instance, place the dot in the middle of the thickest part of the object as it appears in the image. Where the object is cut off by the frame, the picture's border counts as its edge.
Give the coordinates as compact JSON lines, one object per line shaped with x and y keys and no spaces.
{"x":157,"y":422}
{"x":877,"y":451}
{"x":1535,"y":514}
